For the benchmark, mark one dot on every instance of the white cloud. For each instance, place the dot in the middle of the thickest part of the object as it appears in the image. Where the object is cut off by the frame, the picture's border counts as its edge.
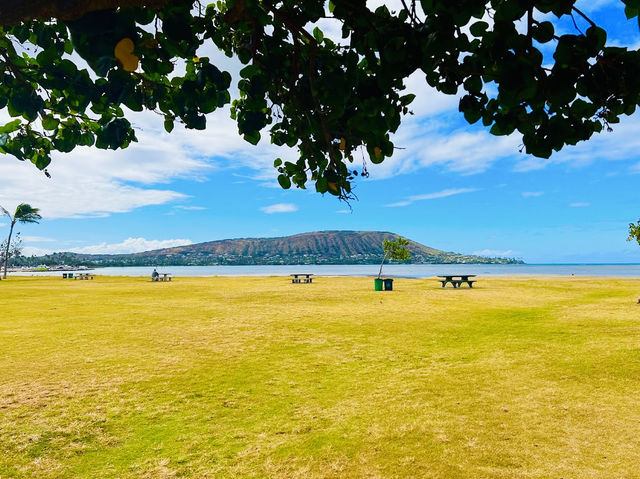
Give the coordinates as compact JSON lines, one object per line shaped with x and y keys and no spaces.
{"x":428,"y":101}
{"x":35,"y":251}
{"x":38,"y":239}
{"x":92,"y":182}
{"x":432,"y":196}
{"x":2,"y":224}
{"x":89,"y":182}
{"x":624,"y":42}
{"x":130,"y":245}
{"x":620,"y":145}
{"x":532,"y":194}
{"x":579,"y":205}
{"x":190,"y":208}
{"x":279,"y":208}
{"x":73,"y":192}
{"x":431,"y":143}
{"x":344,"y":212}
{"x":531,"y":163}
{"x":492,"y":253}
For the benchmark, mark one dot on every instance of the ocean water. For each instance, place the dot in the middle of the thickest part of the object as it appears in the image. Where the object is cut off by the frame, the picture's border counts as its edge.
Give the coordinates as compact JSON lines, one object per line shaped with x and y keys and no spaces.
{"x":396,"y":270}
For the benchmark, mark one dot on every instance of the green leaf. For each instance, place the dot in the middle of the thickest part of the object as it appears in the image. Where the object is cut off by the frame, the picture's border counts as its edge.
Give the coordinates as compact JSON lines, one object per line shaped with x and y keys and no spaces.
{"x":87,"y":139}
{"x":252,"y":137}
{"x":104,"y":64}
{"x":196,"y":122}
{"x":407,"y":99}
{"x":168,"y":125}
{"x":502,"y":128}
{"x":48,"y":56}
{"x":473,"y":84}
{"x":285,"y":181}
{"x":427,"y":5}
{"x":41,"y":161}
{"x":376,"y":155}
{"x":65,"y":142}
{"x":25,"y":102}
{"x":597,"y":37}
{"x":10,"y":127}
{"x":318,"y":35}
{"x":543,"y":32}
{"x":114,"y":134}
{"x":478,"y":29}
{"x":250,"y":71}
{"x":322,"y":185}
{"x":50,"y":122}
{"x":630,"y":12}
{"x":68,"y":47}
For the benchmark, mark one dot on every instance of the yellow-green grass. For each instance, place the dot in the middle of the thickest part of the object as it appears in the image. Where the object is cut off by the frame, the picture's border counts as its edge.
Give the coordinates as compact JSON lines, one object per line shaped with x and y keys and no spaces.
{"x":257,"y":377}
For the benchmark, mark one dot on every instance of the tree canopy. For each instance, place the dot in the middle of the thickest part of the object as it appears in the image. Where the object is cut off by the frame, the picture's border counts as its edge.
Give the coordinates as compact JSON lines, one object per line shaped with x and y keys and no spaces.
{"x":634,"y":232}
{"x":24,"y":213}
{"x":332,"y":101}
{"x":396,"y":250}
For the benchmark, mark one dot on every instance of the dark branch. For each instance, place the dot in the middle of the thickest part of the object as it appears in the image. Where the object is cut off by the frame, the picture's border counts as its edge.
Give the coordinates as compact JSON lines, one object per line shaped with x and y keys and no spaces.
{"x":591,"y":22}
{"x":16,"y":11}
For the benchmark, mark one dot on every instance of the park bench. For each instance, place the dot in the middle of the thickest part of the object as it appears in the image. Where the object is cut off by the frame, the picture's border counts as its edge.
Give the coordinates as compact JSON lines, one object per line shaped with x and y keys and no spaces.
{"x":457,"y":280}
{"x":162,"y":277}
{"x":82,"y":276}
{"x":301,"y":278}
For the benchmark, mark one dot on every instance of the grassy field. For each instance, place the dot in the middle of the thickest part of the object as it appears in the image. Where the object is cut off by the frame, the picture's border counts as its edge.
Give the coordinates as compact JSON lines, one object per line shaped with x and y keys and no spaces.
{"x":257,"y":377}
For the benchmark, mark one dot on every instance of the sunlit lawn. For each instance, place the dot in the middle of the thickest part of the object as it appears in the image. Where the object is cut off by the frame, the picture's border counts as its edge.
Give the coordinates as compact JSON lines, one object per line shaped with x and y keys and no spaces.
{"x":258,"y":377}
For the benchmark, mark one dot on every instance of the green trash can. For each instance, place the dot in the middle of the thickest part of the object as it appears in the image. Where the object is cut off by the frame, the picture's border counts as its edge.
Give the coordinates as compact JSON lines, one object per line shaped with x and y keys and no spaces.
{"x":377,"y":284}
{"x":70,"y":275}
{"x":388,"y":284}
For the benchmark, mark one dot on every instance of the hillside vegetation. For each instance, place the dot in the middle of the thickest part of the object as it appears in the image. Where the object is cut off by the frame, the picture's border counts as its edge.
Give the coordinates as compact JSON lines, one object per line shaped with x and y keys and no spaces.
{"x":326,"y":247}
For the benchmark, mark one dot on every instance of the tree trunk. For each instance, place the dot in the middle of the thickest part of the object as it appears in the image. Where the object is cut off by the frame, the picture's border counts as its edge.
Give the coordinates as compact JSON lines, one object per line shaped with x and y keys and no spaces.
{"x":382,"y":264}
{"x":16,"y":11}
{"x":6,"y":251}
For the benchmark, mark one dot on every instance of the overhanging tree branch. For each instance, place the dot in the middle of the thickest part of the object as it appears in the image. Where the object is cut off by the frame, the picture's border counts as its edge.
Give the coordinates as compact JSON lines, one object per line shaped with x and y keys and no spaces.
{"x":16,"y":11}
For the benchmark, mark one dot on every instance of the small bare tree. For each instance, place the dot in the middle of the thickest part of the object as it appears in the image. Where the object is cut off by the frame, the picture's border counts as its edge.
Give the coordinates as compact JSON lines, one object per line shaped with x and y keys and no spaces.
{"x":15,"y":250}
{"x":396,"y":250}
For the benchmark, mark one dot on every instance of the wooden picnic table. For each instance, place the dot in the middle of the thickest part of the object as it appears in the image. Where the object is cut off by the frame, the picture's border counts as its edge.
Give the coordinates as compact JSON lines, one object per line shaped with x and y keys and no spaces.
{"x":457,"y":279}
{"x":301,"y":278}
{"x":82,"y":276}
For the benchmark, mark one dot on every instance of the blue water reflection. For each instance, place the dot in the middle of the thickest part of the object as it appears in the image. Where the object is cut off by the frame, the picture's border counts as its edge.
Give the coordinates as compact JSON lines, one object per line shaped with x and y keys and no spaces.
{"x":407,"y":271}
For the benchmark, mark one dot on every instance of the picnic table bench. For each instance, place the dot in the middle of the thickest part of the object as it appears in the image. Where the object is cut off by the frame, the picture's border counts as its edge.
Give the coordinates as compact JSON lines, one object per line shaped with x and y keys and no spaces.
{"x":162,"y":277}
{"x":301,"y":278}
{"x":81,"y":276}
{"x":457,"y":279}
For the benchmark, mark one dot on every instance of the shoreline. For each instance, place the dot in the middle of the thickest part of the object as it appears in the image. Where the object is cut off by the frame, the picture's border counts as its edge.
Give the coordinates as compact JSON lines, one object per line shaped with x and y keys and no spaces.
{"x":486,"y":277}
{"x":389,"y":270}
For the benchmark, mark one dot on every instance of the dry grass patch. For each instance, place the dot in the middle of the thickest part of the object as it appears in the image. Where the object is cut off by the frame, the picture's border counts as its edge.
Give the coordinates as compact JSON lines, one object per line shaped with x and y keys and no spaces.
{"x":257,"y":377}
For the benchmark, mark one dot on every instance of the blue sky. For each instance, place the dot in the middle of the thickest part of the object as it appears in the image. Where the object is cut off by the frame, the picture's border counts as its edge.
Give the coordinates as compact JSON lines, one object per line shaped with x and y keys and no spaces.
{"x":453,"y":186}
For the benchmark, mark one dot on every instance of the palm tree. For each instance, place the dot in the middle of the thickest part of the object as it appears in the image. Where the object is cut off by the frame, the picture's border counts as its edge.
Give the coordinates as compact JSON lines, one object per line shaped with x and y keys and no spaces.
{"x":24,"y":214}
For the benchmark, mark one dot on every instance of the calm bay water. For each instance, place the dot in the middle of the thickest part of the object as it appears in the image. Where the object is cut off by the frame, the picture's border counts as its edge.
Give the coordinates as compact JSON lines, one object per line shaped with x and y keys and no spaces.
{"x":407,"y":271}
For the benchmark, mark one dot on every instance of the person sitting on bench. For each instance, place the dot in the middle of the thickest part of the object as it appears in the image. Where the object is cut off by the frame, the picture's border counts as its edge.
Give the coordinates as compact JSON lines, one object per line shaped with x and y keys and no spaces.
{"x":154,"y":275}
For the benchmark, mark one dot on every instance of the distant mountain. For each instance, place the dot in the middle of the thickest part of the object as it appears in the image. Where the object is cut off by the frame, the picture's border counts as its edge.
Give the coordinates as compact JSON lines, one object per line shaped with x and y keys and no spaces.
{"x":323,"y":247}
